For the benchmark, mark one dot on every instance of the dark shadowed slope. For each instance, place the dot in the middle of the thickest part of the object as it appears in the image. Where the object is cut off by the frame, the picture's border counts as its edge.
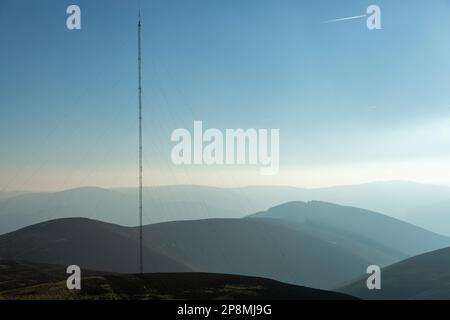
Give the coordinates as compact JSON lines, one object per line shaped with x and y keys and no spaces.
{"x":21,"y":274}
{"x":255,"y":247}
{"x":390,"y":236}
{"x":235,"y":246}
{"x":88,"y":243}
{"x":20,"y":280}
{"x":426,"y":276}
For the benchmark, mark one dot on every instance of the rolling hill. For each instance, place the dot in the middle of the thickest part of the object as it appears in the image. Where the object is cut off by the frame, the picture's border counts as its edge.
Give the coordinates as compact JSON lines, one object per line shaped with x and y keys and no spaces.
{"x":21,"y":280}
{"x":250,"y":247}
{"x":90,"y":244}
{"x":422,"y":277}
{"x":314,"y":244}
{"x":391,"y":236}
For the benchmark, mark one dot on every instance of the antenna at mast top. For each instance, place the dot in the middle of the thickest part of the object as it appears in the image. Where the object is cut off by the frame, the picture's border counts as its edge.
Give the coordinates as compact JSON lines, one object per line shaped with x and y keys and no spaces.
{"x":139,"y":11}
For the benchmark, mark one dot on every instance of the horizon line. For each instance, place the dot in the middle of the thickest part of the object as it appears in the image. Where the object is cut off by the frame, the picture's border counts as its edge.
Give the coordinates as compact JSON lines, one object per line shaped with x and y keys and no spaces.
{"x":228,"y":187}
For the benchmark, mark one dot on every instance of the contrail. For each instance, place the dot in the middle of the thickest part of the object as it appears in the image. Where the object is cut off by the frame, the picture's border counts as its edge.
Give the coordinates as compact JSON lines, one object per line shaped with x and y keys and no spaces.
{"x":347,"y":18}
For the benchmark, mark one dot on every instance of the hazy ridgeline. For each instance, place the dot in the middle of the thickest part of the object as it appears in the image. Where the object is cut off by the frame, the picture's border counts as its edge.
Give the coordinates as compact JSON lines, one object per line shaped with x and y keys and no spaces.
{"x":424,"y":205}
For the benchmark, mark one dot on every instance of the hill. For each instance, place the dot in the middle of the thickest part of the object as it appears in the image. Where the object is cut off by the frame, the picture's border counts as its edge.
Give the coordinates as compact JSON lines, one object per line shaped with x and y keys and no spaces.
{"x":375,"y":230}
{"x":253,"y":247}
{"x":88,"y":243}
{"x":314,"y":244}
{"x":425,"y":276}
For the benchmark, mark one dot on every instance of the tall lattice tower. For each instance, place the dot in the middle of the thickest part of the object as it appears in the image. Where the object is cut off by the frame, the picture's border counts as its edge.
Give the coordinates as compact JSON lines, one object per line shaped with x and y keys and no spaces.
{"x":141,"y":262}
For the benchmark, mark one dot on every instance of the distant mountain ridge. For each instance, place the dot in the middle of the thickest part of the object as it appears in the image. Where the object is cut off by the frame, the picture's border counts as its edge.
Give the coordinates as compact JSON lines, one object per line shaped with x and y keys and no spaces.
{"x":111,"y":206}
{"x":423,"y":205}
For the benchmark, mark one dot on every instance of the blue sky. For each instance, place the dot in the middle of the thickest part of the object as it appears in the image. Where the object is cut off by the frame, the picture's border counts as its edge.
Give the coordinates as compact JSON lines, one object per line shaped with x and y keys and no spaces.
{"x":352,"y":105}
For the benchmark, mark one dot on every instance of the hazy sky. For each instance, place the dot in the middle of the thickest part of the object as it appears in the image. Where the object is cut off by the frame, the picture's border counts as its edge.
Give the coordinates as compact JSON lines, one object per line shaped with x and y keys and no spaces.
{"x":352,"y":105}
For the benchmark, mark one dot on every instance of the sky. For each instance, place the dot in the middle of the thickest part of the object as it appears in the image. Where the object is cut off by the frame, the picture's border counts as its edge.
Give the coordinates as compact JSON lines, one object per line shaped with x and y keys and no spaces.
{"x":352,"y":105}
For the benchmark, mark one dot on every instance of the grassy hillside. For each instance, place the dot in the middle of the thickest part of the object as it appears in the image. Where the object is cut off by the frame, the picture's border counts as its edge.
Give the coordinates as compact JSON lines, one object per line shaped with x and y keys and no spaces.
{"x":20,"y":280}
